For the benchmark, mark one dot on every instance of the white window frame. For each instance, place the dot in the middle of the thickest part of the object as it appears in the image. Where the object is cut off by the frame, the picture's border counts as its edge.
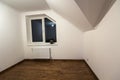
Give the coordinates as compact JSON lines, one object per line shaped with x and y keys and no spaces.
{"x":30,"y":42}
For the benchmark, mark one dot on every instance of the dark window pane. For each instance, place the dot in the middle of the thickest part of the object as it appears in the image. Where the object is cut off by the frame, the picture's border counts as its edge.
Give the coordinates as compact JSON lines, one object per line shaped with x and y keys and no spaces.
{"x":37,"y":30}
{"x":50,"y":30}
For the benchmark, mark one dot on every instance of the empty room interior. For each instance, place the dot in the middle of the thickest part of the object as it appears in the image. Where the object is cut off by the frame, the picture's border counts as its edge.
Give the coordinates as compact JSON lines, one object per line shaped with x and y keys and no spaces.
{"x":59,"y":39}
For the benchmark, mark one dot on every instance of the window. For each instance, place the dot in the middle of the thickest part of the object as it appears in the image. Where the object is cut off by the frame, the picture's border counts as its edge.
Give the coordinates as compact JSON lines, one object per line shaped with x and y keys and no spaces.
{"x":41,"y":30}
{"x":50,"y":30}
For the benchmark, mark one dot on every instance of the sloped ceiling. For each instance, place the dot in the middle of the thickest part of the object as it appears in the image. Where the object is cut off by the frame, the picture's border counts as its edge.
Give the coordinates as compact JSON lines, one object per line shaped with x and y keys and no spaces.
{"x":84,"y":14}
{"x":70,"y":10}
{"x":94,"y":10}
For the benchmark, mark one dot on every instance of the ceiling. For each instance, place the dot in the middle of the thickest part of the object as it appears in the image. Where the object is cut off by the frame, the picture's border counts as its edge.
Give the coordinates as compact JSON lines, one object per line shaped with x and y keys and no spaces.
{"x":27,"y":5}
{"x":94,"y":10}
{"x":84,"y":14}
{"x":70,"y":11}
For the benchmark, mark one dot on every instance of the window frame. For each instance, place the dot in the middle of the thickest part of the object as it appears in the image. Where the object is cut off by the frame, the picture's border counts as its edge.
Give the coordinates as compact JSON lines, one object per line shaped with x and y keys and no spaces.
{"x":29,"y":25}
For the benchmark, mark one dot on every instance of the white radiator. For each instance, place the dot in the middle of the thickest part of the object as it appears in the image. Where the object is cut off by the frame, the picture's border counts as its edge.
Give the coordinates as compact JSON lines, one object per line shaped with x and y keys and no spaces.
{"x":41,"y":53}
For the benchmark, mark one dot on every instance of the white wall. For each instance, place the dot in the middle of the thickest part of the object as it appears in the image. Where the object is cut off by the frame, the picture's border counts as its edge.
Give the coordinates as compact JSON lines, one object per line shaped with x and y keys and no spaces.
{"x":70,"y":38}
{"x":11,"y":50}
{"x":102,"y":46}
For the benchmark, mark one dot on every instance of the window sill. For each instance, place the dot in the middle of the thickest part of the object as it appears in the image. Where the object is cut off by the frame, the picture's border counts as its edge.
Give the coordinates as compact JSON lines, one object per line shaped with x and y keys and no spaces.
{"x":42,"y":44}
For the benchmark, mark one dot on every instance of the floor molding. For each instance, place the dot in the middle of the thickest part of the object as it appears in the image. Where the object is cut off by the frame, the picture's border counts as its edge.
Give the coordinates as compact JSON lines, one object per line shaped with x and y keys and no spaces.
{"x":91,"y":70}
{"x":55,"y":59}
{"x":11,"y":66}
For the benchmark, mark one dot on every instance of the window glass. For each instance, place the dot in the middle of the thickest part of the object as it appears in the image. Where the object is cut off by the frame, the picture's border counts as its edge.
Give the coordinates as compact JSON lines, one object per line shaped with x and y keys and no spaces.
{"x":37,"y":30}
{"x":50,"y":30}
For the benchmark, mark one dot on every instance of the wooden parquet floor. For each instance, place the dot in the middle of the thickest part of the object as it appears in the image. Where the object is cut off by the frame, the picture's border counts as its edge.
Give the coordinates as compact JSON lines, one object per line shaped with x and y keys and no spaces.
{"x":49,"y":70}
